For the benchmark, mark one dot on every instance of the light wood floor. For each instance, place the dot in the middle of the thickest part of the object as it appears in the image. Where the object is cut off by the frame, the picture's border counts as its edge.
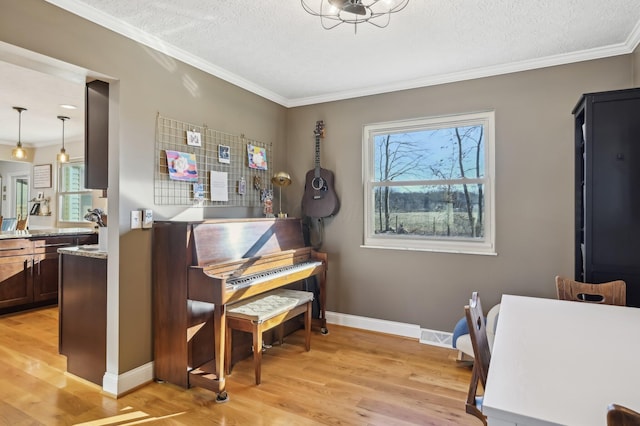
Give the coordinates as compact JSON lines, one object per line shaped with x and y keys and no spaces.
{"x":350,"y":377}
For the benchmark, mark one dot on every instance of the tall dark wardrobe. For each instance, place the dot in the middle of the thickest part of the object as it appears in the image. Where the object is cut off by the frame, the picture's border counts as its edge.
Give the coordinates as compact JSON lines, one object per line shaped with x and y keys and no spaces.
{"x":607,"y":183}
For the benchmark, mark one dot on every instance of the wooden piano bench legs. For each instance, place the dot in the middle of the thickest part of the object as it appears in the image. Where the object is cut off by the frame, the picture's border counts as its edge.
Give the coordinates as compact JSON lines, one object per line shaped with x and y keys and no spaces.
{"x":264,"y":312}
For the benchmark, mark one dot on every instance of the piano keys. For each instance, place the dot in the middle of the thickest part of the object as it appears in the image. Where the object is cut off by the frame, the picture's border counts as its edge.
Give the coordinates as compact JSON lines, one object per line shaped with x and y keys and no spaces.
{"x":238,"y":282}
{"x":199,"y":268}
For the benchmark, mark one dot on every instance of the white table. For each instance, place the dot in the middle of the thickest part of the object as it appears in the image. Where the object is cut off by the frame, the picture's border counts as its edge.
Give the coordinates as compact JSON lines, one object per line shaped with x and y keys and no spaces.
{"x":562,"y":363}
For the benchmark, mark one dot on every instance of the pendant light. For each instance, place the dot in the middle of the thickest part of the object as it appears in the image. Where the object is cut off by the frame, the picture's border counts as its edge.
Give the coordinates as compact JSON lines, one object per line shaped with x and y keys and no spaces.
{"x":63,"y":157}
{"x":18,"y":152}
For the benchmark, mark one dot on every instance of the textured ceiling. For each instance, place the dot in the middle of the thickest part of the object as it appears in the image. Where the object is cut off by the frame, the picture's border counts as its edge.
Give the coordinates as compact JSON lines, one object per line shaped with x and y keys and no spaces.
{"x":277,"y":50}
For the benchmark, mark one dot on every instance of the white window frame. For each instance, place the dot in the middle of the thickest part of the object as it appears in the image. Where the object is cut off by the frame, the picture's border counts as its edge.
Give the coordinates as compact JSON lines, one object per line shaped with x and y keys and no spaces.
{"x":62,"y":194}
{"x":485,"y":246}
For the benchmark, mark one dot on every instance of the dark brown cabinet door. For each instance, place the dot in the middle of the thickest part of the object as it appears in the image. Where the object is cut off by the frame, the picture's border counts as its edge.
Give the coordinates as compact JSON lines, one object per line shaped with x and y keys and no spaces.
{"x":96,"y":146}
{"x":83,"y":316}
{"x":29,"y":269}
{"x":16,"y":284}
{"x":45,"y":266}
{"x":45,"y":277}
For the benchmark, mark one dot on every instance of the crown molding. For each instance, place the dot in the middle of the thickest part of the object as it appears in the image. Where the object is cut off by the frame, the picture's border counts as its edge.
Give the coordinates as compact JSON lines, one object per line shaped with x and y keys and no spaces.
{"x":549,"y":61}
{"x":100,"y":18}
{"x":107,"y":21}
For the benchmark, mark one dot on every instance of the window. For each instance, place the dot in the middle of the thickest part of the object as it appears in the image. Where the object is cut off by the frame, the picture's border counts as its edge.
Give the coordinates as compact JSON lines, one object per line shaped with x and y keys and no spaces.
{"x":428,"y":184}
{"x":73,"y":198}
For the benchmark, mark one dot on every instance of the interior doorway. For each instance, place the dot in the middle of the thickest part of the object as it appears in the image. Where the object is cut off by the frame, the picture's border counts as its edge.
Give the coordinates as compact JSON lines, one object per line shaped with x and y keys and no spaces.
{"x":16,"y":197}
{"x":21,"y":196}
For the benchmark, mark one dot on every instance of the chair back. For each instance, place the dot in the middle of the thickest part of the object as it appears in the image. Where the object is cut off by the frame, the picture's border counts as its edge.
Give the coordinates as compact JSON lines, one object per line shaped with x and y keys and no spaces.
{"x":9,"y":224}
{"x":21,"y":224}
{"x":609,"y":293}
{"x":478,"y":334}
{"x":617,"y":415}
{"x":481,"y":353}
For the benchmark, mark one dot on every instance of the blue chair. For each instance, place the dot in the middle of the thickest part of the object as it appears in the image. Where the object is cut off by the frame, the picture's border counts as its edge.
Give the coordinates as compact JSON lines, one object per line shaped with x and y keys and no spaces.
{"x":462,"y":341}
{"x":9,"y":224}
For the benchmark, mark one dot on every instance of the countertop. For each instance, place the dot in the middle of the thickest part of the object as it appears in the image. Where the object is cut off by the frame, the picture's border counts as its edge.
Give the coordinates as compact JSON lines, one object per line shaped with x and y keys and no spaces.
{"x":45,"y":232}
{"x":86,"y":251}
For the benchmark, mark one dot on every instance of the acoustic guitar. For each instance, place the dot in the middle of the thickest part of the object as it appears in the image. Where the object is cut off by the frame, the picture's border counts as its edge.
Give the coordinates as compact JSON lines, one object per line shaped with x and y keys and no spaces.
{"x":320,"y":199}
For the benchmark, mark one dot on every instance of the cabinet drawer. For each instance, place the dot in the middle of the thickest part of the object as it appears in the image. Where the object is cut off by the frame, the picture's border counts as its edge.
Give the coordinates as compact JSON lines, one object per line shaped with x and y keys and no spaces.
{"x":87,"y":239}
{"x":16,"y":247}
{"x":52,"y":244}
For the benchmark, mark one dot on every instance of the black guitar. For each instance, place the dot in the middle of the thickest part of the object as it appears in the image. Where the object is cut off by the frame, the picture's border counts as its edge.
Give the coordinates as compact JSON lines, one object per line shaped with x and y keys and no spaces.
{"x":320,"y":199}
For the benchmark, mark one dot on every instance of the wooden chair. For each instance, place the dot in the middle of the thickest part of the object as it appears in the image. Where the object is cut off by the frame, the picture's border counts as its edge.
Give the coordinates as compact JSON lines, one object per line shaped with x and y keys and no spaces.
{"x":9,"y":224}
{"x":617,"y":415}
{"x":264,"y":312}
{"x":21,"y":224}
{"x":481,"y":354}
{"x":609,"y":293}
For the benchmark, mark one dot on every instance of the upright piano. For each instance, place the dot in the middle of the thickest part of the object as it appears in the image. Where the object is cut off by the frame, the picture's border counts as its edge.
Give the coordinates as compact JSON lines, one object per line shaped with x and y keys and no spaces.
{"x":199,"y":268}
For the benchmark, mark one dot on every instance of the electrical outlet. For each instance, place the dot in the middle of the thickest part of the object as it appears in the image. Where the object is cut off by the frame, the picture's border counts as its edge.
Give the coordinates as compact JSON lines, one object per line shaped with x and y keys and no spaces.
{"x":136,"y":219}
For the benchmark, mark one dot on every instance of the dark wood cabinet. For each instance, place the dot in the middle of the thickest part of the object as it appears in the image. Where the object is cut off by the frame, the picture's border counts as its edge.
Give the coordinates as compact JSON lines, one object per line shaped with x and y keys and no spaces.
{"x":29,"y":270}
{"x":96,"y":145}
{"x":83,"y":315}
{"x":45,"y":278}
{"x":607,"y":178}
{"x":16,"y":271}
{"x":45,"y":266}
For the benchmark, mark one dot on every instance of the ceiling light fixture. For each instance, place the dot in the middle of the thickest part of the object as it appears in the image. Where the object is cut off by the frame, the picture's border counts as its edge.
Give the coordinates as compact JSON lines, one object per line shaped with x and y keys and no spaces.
{"x":18,"y":152}
{"x":336,"y":12}
{"x":63,"y":157}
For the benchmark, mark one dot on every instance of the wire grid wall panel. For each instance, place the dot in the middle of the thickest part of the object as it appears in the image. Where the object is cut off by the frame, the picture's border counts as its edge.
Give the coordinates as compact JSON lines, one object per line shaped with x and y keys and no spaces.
{"x":172,"y":135}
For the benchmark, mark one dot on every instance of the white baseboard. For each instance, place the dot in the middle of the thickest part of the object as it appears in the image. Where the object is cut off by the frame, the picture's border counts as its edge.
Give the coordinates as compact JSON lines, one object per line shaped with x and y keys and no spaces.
{"x":426,"y":336}
{"x":118,"y":384}
{"x":373,"y":324}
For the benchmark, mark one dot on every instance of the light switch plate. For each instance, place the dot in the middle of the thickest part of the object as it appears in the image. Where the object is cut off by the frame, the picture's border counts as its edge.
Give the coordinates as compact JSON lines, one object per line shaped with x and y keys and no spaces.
{"x":147,"y":218}
{"x":136,"y":219}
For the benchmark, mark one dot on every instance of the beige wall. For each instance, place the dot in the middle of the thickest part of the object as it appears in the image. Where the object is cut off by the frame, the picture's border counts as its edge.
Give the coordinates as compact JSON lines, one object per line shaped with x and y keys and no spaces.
{"x":636,"y":67}
{"x":534,"y":193}
{"x":534,"y":172}
{"x":145,"y":82}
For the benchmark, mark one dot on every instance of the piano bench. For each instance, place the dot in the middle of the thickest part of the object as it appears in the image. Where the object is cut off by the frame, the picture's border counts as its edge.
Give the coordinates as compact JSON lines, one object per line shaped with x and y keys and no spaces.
{"x":264,"y":312}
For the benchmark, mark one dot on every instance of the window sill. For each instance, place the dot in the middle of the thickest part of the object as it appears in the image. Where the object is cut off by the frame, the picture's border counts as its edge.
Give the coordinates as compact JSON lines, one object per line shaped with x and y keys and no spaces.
{"x":432,"y":249}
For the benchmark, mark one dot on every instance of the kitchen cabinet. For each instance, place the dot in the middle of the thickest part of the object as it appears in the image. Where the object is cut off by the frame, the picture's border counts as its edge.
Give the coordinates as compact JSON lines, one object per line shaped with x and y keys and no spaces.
{"x":96,"y":139}
{"x":29,"y":269}
{"x":16,"y":273}
{"x":45,"y":273}
{"x":83,"y":312}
